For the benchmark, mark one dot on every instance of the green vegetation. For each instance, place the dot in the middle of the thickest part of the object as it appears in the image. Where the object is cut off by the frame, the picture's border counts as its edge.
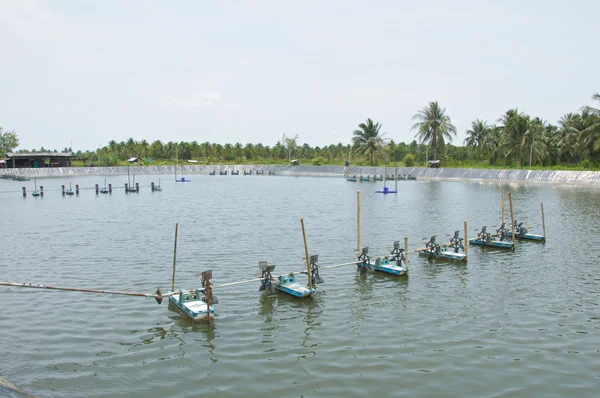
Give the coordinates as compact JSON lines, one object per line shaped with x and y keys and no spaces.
{"x":8,"y":141}
{"x":517,"y":140}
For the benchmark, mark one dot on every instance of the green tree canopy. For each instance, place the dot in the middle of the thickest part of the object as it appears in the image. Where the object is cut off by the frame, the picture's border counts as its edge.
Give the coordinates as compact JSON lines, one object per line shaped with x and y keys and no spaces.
{"x":8,"y":141}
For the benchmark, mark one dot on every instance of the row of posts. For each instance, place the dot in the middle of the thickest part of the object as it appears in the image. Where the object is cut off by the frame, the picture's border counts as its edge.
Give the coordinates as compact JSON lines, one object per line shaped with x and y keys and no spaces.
{"x":154,"y":188}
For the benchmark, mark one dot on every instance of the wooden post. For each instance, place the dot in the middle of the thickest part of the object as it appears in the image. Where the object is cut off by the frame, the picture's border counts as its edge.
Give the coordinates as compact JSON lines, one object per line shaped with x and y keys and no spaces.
{"x":306,"y":253}
{"x":357,"y":220}
{"x":543,"y":221}
{"x":512,"y":220}
{"x":406,"y":250}
{"x":466,"y":245}
{"x":174,"y":257}
{"x":503,"y":207}
{"x":207,"y":294}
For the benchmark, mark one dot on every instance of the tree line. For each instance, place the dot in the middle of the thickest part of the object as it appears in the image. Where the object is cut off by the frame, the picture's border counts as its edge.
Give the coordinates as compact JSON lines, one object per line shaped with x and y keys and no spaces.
{"x":514,"y":140}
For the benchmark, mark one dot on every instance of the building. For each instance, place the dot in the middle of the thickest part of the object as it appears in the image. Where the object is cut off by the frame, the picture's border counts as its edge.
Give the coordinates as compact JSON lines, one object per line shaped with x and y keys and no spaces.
{"x":37,"y":160}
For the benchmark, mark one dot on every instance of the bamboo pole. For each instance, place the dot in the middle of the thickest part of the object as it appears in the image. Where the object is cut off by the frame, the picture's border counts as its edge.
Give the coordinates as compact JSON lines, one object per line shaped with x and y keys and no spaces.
{"x":503,"y":207}
{"x":466,"y":245}
{"x":77,"y":289}
{"x":358,"y":220}
{"x":543,"y":220}
{"x":406,"y":250}
{"x":307,"y":258}
{"x":512,"y":219}
{"x":174,"y":257}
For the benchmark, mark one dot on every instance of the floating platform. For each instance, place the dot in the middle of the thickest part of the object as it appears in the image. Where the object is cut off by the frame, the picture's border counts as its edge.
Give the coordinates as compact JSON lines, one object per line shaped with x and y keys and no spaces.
{"x":382,"y":264}
{"x":193,"y":305}
{"x":288,"y":284}
{"x":443,"y":254}
{"x":352,"y":179}
{"x":492,"y":242}
{"x":528,"y":236}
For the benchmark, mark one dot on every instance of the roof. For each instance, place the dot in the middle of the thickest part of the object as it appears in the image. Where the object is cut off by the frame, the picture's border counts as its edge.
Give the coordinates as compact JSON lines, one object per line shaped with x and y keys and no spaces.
{"x":38,"y":154}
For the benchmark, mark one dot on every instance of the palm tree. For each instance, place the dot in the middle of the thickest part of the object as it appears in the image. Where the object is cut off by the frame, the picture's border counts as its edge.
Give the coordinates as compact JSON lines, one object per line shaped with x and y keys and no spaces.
{"x":368,"y":139}
{"x":514,"y":128}
{"x":433,"y":125}
{"x":590,"y":137}
{"x":477,"y":133}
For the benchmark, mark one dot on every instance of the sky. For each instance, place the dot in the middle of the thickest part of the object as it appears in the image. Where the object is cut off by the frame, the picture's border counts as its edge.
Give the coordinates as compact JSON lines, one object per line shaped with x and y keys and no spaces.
{"x":85,"y":72}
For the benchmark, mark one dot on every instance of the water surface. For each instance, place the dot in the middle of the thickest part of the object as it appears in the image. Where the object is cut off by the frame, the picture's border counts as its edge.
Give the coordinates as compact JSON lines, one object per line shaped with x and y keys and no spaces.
{"x":519,"y":323}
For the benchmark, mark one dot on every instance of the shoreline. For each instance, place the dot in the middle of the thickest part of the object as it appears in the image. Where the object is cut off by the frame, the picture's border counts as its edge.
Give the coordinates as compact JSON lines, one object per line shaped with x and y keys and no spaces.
{"x":545,"y":176}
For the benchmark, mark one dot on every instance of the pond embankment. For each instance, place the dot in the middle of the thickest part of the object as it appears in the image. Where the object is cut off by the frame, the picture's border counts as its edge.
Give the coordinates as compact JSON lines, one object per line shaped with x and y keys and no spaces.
{"x":547,"y":176}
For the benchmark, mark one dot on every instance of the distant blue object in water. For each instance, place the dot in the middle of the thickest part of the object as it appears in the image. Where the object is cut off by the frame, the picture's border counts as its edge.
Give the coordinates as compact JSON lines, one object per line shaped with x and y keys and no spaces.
{"x":182,"y":179}
{"x":386,"y":190}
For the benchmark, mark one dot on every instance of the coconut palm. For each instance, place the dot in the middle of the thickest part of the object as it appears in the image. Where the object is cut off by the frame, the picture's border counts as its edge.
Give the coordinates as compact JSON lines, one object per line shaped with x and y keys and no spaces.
{"x":590,"y":136}
{"x":514,"y":141}
{"x":368,"y":139}
{"x":476,"y":135}
{"x":433,"y":126}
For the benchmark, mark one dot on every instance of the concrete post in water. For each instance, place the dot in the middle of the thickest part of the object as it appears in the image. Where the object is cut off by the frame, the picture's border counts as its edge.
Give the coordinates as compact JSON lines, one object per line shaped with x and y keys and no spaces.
{"x":126,"y":188}
{"x":24,"y":191}
{"x":137,"y":187}
{"x":42,"y":190}
{"x":307,"y":258}
{"x":152,"y":186}
{"x":466,"y":245}
{"x":357,"y":220}
{"x":543,"y":221}
{"x":77,"y":189}
{"x":97,"y":189}
{"x":174,"y":257}
{"x":109,"y":188}
{"x":406,"y":251}
{"x":63,"y":189}
{"x":512,"y":219}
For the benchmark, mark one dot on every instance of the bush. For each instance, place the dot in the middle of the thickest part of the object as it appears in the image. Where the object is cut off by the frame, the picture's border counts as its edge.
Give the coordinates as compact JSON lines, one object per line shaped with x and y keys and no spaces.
{"x":585,"y":164}
{"x":318,"y":161}
{"x":409,"y":160}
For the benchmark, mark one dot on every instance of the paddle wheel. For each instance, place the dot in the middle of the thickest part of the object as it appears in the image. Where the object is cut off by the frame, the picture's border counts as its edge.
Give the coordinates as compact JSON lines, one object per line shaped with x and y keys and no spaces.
{"x":314,"y":270}
{"x":364,"y":260}
{"x":456,"y":243}
{"x":266,"y":276}
{"x":502,"y":232}
{"x":397,"y":254}
{"x":432,"y":248}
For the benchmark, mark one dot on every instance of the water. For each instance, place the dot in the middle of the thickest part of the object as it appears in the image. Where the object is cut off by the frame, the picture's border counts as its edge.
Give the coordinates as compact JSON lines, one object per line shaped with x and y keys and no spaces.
{"x":517,"y":323}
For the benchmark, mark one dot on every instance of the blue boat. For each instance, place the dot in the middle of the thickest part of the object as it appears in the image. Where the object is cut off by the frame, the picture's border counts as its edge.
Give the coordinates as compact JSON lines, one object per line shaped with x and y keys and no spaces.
{"x":384,"y":264}
{"x":379,"y":178}
{"x":454,"y":251}
{"x":195,"y":304}
{"x":284,"y":283}
{"x":522,"y":233}
{"x":486,"y":239}
{"x":352,"y":179}
{"x":367,"y":178}
{"x":212,"y":173}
